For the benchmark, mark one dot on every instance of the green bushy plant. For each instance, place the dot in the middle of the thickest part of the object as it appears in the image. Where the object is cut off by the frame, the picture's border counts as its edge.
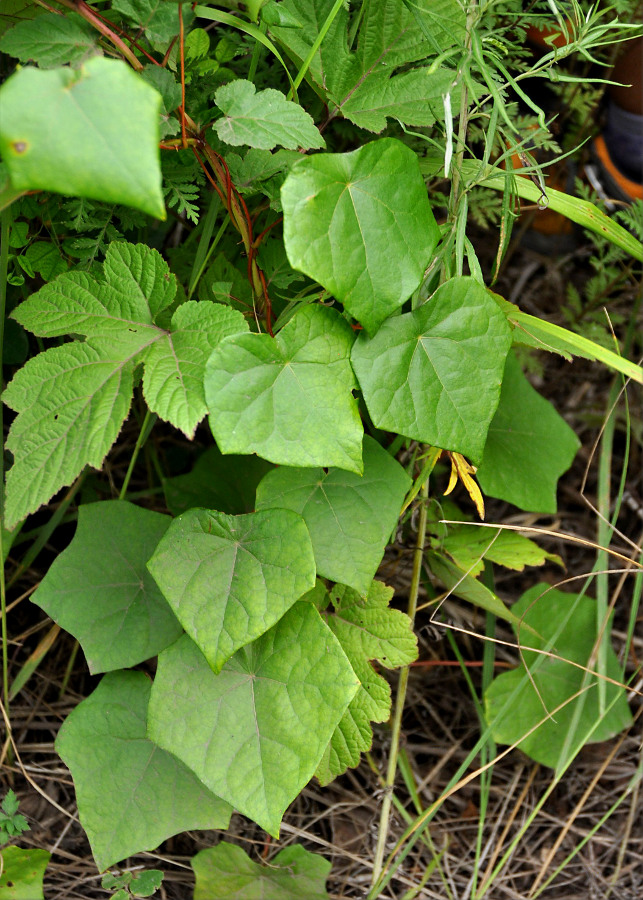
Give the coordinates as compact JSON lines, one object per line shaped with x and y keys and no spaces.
{"x":227,"y":232}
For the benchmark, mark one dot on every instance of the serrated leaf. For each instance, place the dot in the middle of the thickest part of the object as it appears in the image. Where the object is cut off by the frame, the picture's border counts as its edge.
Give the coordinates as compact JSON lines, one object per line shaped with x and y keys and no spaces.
{"x":367,"y":630}
{"x":469,"y":546}
{"x":434,"y":374}
{"x":225,"y":483}
{"x":51,"y":40}
{"x":105,"y":112}
{"x":514,"y":706}
{"x":227,"y":873}
{"x":414,"y":97}
{"x":72,"y":400}
{"x":255,"y":733}
{"x":528,"y":447}
{"x":131,"y":794}
{"x":362,"y":84}
{"x":288,"y":398}
{"x":45,"y":259}
{"x":100,"y":591}
{"x":174,"y":365}
{"x":22,"y":873}
{"x":349,"y":517}
{"x":361,"y":225}
{"x":230,"y":578}
{"x":71,"y":403}
{"x":263,"y":120}
{"x":157,"y":18}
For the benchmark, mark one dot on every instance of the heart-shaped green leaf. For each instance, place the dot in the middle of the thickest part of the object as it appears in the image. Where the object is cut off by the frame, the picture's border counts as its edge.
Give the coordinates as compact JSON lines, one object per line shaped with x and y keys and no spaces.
{"x":515,"y":703}
{"x":435,"y":374}
{"x":288,"y":398}
{"x":254,"y":733}
{"x":349,"y":517}
{"x":528,"y":447}
{"x":227,"y":873}
{"x":89,"y":132}
{"x":230,"y":578}
{"x":131,"y":794}
{"x":360,"y":223}
{"x":100,"y":591}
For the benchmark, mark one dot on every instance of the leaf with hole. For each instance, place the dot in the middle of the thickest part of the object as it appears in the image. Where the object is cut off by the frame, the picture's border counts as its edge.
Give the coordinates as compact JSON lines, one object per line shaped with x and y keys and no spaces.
{"x":434,"y":374}
{"x":349,"y":517}
{"x":230,"y":578}
{"x":288,"y":398}
{"x":528,"y":448}
{"x":105,"y":113}
{"x":367,"y":629}
{"x":515,"y":703}
{"x":227,"y":873}
{"x":100,"y":591}
{"x":255,"y":733}
{"x":131,"y":794}
{"x":361,"y":225}
{"x":22,"y":872}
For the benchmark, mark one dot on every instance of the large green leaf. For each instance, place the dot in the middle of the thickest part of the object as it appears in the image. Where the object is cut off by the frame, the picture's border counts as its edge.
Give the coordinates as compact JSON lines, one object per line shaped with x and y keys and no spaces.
{"x":52,"y":40}
{"x":227,"y":873}
{"x":224,"y":483}
{"x":100,"y":591}
{"x":288,"y":398}
{"x":22,"y":872}
{"x":103,"y":111}
{"x":131,"y":794}
{"x":528,"y":448}
{"x":435,"y":374}
{"x":366,"y":629}
{"x":515,"y":702}
{"x":362,"y":84}
{"x":255,"y":733}
{"x":230,"y":578}
{"x":349,"y":517}
{"x":71,"y":400}
{"x":263,"y":120}
{"x":361,"y":224}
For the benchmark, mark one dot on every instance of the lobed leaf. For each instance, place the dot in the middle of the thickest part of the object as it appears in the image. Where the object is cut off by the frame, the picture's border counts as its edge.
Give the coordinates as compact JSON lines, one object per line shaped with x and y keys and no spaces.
{"x":72,"y":400}
{"x":255,"y":733}
{"x":349,"y":517}
{"x":361,"y":225}
{"x":263,"y":120}
{"x":99,"y":590}
{"x":469,"y":545}
{"x":367,"y":630}
{"x":288,"y":398}
{"x":230,"y":578}
{"x":434,"y":374}
{"x":131,"y":794}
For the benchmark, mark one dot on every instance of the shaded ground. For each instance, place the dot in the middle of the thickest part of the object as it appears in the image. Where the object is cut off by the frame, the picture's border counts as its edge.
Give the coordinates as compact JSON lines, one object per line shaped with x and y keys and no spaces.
{"x":441,"y":722}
